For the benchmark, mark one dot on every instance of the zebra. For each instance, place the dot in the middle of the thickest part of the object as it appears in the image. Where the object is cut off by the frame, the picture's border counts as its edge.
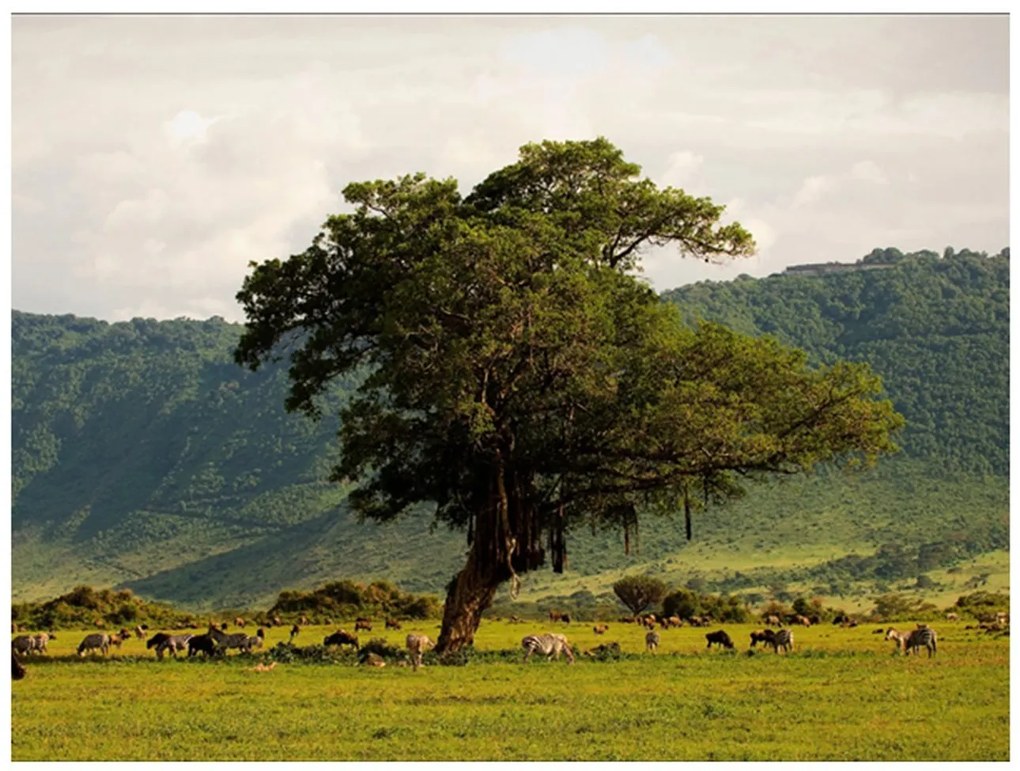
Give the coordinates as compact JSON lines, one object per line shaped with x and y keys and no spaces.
{"x":549,"y":644}
{"x":98,"y":641}
{"x":417,"y":644}
{"x":782,"y":639}
{"x":652,"y":641}
{"x":922,"y":637}
{"x":163,"y":642}
{"x":23,"y":644}
{"x":225,"y":641}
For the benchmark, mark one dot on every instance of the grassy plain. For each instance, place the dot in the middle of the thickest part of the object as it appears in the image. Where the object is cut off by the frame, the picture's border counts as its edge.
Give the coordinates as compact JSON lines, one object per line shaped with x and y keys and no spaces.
{"x":841,"y":695}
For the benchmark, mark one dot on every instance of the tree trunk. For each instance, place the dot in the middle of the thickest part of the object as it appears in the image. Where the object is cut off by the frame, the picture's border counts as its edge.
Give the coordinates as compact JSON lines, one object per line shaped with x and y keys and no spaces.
{"x":470,"y":593}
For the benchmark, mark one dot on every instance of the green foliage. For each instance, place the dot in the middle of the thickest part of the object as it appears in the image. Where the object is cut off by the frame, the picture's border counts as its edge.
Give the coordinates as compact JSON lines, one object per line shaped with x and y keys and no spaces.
{"x":345,"y":599}
{"x":687,"y":603}
{"x":87,"y":607}
{"x":639,"y":593}
{"x":983,"y":604}
{"x":895,"y":607}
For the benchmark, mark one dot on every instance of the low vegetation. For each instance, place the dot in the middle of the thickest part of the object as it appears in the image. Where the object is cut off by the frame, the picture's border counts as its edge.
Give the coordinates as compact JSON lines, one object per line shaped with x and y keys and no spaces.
{"x":843,"y":694}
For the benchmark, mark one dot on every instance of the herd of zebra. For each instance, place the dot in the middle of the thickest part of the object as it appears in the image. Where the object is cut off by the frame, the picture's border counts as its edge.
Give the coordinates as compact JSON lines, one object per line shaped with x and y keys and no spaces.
{"x":551,"y":645}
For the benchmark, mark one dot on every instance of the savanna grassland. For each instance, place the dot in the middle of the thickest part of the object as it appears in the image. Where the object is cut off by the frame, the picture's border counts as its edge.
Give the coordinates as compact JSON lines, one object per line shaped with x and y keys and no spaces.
{"x":843,"y":694}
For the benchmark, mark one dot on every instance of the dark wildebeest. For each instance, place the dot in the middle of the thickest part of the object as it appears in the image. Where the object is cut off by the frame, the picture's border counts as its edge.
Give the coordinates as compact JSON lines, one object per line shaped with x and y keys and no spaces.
{"x":202,"y":643}
{"x":294,"y":632}
{"x":763,"y":636}
{"x":719,"y":638}
{"x":341,"y":638}
{"x":362,"y":623}
{"x":392,"y":623}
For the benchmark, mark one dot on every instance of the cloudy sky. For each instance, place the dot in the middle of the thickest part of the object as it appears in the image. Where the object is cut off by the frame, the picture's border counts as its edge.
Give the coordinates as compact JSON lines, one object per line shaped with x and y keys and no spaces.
{"x":153,"y":156}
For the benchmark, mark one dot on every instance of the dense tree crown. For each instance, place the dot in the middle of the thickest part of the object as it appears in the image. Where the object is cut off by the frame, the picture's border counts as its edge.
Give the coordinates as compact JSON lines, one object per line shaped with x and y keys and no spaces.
{"x":518,"y":374}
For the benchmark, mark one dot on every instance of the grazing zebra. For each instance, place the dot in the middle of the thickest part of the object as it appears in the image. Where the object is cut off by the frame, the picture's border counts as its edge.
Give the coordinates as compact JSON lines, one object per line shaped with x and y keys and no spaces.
{"x":23,"y":643}
{"x":651,"y":641}
{"x":417,"y":644}
{"x":923,"y":636}
{"x":549,"y":644}
{"x":240,"y":640}
{"x":164,"y":642}
{"x":98,"y":641}
{"x":782,"y":639}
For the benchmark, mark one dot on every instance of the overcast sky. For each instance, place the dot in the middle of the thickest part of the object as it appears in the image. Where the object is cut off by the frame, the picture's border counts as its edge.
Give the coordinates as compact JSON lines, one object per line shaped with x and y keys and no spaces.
{"x":154,"y":157}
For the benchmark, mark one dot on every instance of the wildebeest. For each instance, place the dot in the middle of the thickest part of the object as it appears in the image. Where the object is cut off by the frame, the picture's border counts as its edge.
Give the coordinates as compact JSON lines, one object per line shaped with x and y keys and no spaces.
{"x":549,"y":644}
{"x":719,"y":638}
{"x":362,"y":624}
{"x":600,"y":628}
{"x":17,"y":671}
{"x":802,"y":620}
{"x":294,"y":632}
{"x":773,"y":620}
{"x":762,"y":636}
{"x":23,"y":644}
{"x":555,"y":615}
{"x":202,"y":643}
{"x":651,"y":641}
{"x":417,"y":644}
{"x":392,"y":623}
{"x":99,"y":641}
{"x":340,"y":638}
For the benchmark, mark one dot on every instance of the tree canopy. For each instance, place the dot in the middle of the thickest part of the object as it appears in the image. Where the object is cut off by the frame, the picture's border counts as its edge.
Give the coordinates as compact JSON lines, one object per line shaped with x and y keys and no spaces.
{"x":520,"y":375}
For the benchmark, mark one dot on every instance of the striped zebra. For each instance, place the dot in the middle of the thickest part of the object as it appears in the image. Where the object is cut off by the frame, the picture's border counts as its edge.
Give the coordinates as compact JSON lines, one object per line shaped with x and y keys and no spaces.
{"x":99,"y":641}
{"x":922,"y":637}
{"x":163,"y":642}
{"x":225,"y":641}
{"x":783,"y":638}
{"x":652,"y":641}
{"x":549,"y":644}
{"x":417,"y":644}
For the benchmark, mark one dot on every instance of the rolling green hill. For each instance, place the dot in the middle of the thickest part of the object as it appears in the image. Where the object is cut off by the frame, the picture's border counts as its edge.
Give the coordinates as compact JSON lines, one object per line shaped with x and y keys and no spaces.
{"x":143,"y":457}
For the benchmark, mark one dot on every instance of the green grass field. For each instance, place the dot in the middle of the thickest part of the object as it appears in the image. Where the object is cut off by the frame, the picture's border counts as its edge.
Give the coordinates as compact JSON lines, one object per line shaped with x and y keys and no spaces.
{"x":841,"y":695}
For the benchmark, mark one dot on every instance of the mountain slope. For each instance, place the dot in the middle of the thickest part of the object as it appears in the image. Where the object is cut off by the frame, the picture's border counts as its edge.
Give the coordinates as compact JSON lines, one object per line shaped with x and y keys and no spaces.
{"x":143,"y":456}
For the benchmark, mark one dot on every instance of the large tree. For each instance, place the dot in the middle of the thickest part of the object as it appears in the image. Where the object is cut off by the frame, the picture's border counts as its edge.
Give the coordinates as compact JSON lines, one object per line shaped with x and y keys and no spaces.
{"x":516,"y":372}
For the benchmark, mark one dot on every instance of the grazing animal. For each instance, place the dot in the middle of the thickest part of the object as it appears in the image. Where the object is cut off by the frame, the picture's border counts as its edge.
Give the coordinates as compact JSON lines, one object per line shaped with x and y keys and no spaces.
{"x":802,"y":620}
{"x":673,"y":621}
{"x":202,"y":643}
{"x":99,"y":641}
{"x":649,"y":620}
{"x":260,"y":667}
{"x":39,"y":641}
{"x":417,"y":644}
{"x":392,"y":623}
{"x":372,"y":659}
{"x":140,"y":631}
{"x":555,"y":615}
{"x":952,"y":617}
{"x":516,"y":620}
{"x":651,"y":641}
{"x":606,"y":649}
{"x":303,"y":621}
{"x":362,"y":623}
{"x":549,"y":644}
{"x":600,"y":628}
{"x":719,"y":638}
{"x":23,"y":643}
{"x":164,"y":642}
{"x":782,"y":639}
{"x":773,"y":620}
{"x":294,"y":632}
{"x":116,"y":640}
{"x":765,"y":636}
{"x":17,"y":671}
{"x":239,"y":622}
{"x":342,"y":638}
{"x":239,"y":640}
{"x":923,"y":636}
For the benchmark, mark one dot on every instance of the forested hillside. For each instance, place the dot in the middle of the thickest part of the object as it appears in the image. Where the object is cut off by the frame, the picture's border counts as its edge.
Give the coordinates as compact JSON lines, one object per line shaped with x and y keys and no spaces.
{"x":142,"y":456}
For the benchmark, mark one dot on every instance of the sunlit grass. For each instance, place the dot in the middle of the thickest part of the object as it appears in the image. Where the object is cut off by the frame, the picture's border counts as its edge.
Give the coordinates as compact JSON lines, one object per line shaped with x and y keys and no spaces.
{"x":842,"y":695}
